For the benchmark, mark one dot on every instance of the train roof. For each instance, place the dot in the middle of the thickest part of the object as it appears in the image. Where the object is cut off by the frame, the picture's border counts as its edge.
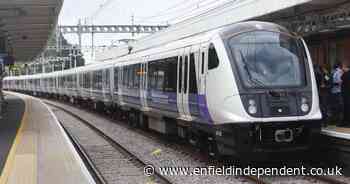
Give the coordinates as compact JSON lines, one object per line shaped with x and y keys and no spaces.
{"x":169,"y":47}
{"x":251,"y":25}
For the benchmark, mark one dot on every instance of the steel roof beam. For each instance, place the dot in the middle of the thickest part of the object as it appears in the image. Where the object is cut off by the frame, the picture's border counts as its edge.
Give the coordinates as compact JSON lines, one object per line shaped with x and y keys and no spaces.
{"x":320,"y":23}
{"x":110,"y":29}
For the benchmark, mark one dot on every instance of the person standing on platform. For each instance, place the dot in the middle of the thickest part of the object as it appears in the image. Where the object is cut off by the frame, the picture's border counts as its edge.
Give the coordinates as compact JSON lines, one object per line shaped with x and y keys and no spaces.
{"x":337,"y":104}
{"x":324,"y":84}
{"x":346,"y":95}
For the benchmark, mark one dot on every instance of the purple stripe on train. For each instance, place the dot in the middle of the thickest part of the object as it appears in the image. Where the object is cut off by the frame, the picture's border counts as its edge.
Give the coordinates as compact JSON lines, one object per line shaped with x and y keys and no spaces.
{"x":203,"y":109}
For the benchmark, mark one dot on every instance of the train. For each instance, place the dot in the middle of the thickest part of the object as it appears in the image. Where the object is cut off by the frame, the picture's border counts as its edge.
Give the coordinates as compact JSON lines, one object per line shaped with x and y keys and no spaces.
{"x":245,"y":89}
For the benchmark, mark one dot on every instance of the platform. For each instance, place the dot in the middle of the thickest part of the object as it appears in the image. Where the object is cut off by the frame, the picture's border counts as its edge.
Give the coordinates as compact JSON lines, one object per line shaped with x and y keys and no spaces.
{"x":337,"y":132}
{"x":9,"y":124}
{"x":35,"y":148}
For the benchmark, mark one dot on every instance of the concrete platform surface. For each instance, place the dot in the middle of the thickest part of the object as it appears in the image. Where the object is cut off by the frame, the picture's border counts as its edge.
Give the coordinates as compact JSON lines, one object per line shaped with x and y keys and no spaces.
{"x":41,"y":152}
{"x":338,"y":132}
{"x":9,"y":125}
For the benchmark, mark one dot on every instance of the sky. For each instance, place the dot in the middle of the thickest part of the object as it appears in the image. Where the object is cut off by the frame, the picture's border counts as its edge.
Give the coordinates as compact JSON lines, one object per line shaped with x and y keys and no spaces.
{"x":116,"y":12}
{"x":155,"y":12}
{"x":119,"y":12}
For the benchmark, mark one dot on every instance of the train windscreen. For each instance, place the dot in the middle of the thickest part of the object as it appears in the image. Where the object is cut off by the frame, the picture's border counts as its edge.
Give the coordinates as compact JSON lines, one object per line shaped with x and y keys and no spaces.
{"x":268,"y":59}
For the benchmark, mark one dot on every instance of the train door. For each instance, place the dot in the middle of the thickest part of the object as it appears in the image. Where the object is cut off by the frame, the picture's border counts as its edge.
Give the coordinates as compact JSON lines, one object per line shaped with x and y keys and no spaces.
{"x":91,"y":82}
{"x":117,"y":78}
{"x":183,"y":84}
{"x":143,"y":83}
{"x":112,"y":83}
{"x":121,"y":83}
{"x":104,"y":84}
{"x":202,"y":83}
{"x":202,"y":69}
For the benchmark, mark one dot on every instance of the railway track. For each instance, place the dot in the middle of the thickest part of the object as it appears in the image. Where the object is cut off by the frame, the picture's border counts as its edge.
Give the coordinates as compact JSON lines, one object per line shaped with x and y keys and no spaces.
{"x":129,"y":165}
{"x":189,"y":152}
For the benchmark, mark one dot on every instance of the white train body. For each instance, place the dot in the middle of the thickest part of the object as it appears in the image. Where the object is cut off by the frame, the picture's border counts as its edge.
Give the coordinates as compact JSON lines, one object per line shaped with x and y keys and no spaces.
{"x":234,"y":84}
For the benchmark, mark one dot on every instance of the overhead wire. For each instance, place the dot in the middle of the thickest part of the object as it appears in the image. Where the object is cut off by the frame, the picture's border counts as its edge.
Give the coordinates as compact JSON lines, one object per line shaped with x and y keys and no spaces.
{"x":175,"y":10}
{"x":194,"y":9}
{"x":199,"y":9}
{"x":201,"y":12}
{"x":100,"y":9}
{"x":165,"y":11}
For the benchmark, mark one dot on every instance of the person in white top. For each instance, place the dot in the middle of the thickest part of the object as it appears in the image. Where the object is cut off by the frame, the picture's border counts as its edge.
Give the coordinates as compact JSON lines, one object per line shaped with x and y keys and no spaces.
{"x":337,"y":102}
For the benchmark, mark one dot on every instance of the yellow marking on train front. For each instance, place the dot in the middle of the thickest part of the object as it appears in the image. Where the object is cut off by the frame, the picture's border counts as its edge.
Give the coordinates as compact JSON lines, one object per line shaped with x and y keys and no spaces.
{"x":156,"y":152}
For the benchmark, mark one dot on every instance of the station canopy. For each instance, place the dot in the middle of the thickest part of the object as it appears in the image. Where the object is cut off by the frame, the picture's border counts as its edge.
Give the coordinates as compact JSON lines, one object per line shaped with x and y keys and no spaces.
{"x":313,"y":17}
{"x":26,"y":26}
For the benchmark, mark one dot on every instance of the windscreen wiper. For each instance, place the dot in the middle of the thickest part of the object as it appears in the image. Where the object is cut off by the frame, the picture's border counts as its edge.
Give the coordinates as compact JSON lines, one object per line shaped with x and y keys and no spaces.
{"x":255,"y":81}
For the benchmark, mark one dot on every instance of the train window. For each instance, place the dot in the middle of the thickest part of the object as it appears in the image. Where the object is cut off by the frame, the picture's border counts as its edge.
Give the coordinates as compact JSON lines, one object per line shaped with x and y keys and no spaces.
{"x":61,"y":82}
{"x":116,"y":77}
{"x":186,"y":74}
{"x":125,"y":76}
{"x":81,"y":80}
{"x":180,"y":74}
{"x":131,"y":76}
{"x":203,"y":59}
{"x":161,"y":70}
{"x":152,"y":75}
{"x":94,"y":80}
{"x":74,"y":81}
{"x":88,"y":80}
{"x":65,"y":79}
{"x":137,"y":74}
{"x":107,"y":79}
{"x":193,"y":79}
{"x":70,"y":81}
{"x":84,"y":80}
{"x":89,"y":84}
{"x":213,"y":60}
{"x":171,"y":74}
{"x":99,"y":80}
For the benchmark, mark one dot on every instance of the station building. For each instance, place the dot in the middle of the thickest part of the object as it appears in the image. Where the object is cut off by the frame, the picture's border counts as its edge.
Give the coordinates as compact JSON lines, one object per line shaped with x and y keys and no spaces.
{"x":25,"y":27}
{"x":325,"y":26}
{"x":330,"y":48}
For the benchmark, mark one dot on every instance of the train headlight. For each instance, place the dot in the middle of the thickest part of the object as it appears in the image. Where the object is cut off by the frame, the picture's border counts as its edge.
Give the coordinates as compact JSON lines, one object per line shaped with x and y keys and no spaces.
{"x":303,"y":100}
{"x":252,"y":102}
{"x":304,"y":106}
{"x":252,"y":109}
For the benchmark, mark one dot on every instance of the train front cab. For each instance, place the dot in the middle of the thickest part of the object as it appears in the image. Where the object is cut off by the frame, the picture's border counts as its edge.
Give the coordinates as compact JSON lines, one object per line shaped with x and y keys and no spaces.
{"x":275,"y":110}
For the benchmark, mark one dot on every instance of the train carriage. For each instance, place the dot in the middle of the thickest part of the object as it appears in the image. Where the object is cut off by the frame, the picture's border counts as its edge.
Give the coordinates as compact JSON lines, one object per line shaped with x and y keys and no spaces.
{"x":243,"y":89}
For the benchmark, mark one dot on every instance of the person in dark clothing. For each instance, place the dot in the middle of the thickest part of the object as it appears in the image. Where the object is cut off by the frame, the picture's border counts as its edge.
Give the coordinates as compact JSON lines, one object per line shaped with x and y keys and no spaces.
{"x":323,"y":85}
{"x":318,"y":75}
{"x":346,"y":96}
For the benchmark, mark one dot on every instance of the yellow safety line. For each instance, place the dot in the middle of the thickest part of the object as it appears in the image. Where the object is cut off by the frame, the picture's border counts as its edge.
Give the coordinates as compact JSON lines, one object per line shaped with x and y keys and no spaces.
{"x":11,"y":156}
